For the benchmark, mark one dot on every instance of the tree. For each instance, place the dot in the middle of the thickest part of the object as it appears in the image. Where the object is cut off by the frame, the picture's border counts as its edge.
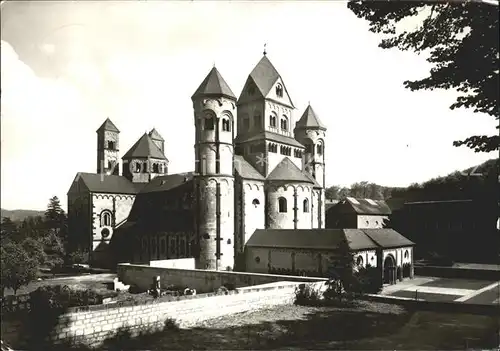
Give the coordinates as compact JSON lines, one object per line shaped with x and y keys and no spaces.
{"x":18,"y":268}
{"x":9,"y":230}
{"x":462,"y":41}
{"x":35,"y":249}
{"x":56,"y":219}
{"x":341,"y":266}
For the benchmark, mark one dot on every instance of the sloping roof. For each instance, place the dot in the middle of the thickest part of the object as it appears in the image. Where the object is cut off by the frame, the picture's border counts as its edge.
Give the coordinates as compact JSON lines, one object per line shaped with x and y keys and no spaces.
{"x":387,"y":238}
{"x":167,"y":182}
{"x":309,"y":119}
{"x":318,"y":239}
{"x":287,"y":170}
{"x":102,"y":183}
{"x":365,"y":206}
{"x":330,"y":203}
{"x":214,"y":85}
{"x":153,"y":134}
{"x":327,"y":239}
{"x":245,"y":170}
{"x":264,"y":75}
{"x":316,"y":184}
{"x":109,"y":126}
{"x":245,"y":138}
{"x":144,"y":148}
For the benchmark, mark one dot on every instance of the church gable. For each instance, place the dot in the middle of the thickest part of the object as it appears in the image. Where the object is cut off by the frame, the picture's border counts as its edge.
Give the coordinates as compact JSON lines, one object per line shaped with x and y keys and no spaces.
{"x":250,"y":92}
{"x":278,"y":93}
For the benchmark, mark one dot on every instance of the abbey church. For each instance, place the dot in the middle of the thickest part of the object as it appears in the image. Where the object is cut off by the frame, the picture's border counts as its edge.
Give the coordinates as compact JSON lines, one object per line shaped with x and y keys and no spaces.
{"x":259,"y":172}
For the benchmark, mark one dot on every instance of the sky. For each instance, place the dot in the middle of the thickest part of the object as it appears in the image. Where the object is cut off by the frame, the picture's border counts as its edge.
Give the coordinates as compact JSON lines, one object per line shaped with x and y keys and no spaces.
{"x":66,"y":66}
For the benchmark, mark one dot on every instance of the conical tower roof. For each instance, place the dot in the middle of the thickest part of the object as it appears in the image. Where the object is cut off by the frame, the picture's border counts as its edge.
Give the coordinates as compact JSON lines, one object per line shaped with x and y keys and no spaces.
{"x":155,"y":135}
{"x":144,"y":148}
{"x":109,"y":126}
{"x":214,"y":85}
{"x":310,"y":120}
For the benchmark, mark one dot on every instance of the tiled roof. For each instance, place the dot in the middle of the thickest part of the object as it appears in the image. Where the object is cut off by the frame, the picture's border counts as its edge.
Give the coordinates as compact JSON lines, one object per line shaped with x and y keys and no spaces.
{"x":245,"y":138}
{"x":102,"y":183}
{"x":144,"y":148}
{"x":288,"y":171}
{"x":109,"y":126}
{"x":153,"y":134}
{"x":167,"y":182}
{"x":310,"y":120}
{"x":327,"y":239}
{"x":245,"y":170}
{"x":214,"y":85}
{"x":387,"y":238}
{"x":363,"y":206}
{"x":318,"y":239}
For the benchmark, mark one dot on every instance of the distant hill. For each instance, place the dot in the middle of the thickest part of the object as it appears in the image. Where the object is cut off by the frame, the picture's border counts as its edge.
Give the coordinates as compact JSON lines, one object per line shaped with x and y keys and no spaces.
{"x":19,"y":215}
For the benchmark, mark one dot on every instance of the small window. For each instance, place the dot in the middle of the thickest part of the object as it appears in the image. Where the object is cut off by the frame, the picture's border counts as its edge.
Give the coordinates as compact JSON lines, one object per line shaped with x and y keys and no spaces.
{"x":226,"y":126}
{"x":319,"y":149}
{"x":105,"y":219}
{"x":407,"y":254}
{"x":282,"y":205}
{"x":257,"y":259}
{"x":111,"y":145}
{"x":229,"y":241}
{"x":209,"y":123}
{"x":255,"y":202}
{"x":105,"y":233}
{"x":359,"y":261}
{"x":206,"y":236}
{"x":305,"y":205}
{"x":138,"y":167}
{"x":156,"y":168}
{"x":272,"y":121}
{"x":279,"y":90}
{"x":284,"y":124}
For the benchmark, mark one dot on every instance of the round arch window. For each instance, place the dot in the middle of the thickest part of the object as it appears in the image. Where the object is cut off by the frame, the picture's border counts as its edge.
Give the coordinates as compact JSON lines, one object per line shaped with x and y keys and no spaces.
{"x":105,"y":232}
{"x":359,"y":261}
{"x":257,"y":259}
{"x":407,"y":254}
{"x":255,"y":202}
{"x":206,"y":236}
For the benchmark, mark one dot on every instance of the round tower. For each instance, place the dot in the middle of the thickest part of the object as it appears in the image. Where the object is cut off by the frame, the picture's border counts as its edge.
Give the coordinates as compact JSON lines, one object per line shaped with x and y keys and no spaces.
{"x":214,"y":113}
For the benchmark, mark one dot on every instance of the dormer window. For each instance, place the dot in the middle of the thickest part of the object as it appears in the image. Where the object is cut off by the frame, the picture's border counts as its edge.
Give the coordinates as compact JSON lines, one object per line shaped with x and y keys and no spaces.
{"x":226,"y":126}
{"x":209,"y":123}
{"x":279,"y":90}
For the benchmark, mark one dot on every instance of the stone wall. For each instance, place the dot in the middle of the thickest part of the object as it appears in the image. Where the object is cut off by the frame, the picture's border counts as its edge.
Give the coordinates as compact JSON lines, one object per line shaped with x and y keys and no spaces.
{"x":201,"y":280}
{"x":92,"y":325}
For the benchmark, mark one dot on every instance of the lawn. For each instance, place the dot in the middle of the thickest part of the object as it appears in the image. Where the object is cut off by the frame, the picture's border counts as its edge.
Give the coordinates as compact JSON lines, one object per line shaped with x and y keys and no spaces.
{"x":458,"y":284}
{"x":427,"y":296}
{"x":373,"y":326}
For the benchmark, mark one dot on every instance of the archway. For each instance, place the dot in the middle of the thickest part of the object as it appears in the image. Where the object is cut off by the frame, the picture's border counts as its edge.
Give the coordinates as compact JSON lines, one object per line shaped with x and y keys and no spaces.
{"x":389,"y":270}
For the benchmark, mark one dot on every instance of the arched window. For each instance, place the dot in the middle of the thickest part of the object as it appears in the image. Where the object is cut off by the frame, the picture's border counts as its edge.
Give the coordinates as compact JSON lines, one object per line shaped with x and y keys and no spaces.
{"x":272,"y":121}
{"x":105,"y":219}
{"x":282,"y":205}
{"x":279,"y":90}
{"x":138,"y":167}
{"x":111,"y":145}
{"x":305,"y":205}
{"x":226,"y":125}
{"x":319,"y":149}
{"x":209,"y":123}
{"x":406,"y":254}
{"x":156,"y":168}
{"x":359,"y":261}
{"x":284,"y":123}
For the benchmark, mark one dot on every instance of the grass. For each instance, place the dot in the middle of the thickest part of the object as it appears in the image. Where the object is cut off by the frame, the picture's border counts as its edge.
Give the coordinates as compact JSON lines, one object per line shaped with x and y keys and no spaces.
{"x":370,"y":326}
{"x":427,"y":296}
{"x":458,"y":284}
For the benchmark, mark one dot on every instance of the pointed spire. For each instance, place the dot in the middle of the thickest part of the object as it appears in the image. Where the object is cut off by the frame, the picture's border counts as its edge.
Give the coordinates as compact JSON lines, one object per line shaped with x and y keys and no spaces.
{"x":214,"y":85}
{"x":265,"y":52}
{"x":310,"y":120}
{"x":109,"y":126}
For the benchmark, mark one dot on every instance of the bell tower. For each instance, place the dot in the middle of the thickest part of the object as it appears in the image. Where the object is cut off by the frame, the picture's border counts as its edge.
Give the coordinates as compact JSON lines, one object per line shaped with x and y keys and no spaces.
{"x":107,"y":148}
{"x":214,"y":107}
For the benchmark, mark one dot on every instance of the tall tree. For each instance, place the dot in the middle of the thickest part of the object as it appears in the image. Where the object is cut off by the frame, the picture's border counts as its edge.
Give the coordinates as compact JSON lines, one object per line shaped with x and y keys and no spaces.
{"x":462,"y":40}
{"x":18,"y":268}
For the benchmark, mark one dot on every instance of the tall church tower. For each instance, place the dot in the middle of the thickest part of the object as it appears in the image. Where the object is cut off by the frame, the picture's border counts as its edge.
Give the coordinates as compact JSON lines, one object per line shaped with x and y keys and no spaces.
{"x":214,"y":113}
{"x":312,"y":133}
{"x":107,"y":148}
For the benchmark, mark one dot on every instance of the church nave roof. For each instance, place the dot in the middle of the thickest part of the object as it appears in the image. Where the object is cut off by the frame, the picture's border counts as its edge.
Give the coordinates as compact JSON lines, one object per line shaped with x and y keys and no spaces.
{"x":144,"y":148}
{"x":286,"y":170}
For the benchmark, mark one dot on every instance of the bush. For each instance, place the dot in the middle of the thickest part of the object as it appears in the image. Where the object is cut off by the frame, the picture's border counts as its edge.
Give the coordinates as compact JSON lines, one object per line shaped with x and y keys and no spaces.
{"x":306,"y":294}
{"x":368,"y":281}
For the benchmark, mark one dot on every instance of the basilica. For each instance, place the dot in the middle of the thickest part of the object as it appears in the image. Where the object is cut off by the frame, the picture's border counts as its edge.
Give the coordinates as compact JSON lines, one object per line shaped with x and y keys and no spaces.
{"x":257,"y":189}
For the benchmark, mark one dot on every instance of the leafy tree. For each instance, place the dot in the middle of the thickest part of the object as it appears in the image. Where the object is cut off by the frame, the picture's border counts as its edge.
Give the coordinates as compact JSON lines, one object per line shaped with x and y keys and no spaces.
{"x":35,"y":249}
{"x":462,"y":40}
{"x":9,"y":230}
{"x":33,"y":227}
{"x":341,"y":267}
{"x":18,"y":268}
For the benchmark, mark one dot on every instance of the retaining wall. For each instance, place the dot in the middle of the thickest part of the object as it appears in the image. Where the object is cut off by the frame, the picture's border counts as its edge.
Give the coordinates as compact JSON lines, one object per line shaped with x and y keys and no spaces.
{"x":201,"y":280}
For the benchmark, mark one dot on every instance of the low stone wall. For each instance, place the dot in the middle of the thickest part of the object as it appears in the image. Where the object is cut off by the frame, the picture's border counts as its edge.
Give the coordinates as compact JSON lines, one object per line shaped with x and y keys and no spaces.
{"x":458,"y":273}
{"x":181,"y":263}
{"x":92,"y":325}
{"x":142,"y":276}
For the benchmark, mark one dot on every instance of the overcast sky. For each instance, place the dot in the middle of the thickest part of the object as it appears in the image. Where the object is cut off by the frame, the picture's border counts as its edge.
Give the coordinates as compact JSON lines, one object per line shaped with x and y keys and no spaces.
{"x":66,"y":66}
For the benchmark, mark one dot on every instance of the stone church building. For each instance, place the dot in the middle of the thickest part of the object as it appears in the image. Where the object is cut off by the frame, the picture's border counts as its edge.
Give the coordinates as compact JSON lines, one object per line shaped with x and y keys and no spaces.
{"x":256,"y":167}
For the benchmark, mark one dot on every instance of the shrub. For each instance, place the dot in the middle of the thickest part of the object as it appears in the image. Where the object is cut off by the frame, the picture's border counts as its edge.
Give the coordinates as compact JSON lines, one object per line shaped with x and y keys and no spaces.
{"x":306,"y":294}
{"x":368,"y":281}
